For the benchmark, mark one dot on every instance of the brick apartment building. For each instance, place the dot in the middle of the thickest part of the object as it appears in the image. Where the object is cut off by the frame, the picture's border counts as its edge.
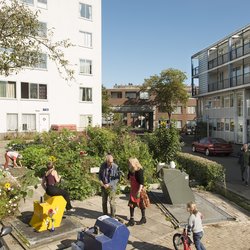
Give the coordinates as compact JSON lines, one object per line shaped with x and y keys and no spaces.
{"x":138,"y":111}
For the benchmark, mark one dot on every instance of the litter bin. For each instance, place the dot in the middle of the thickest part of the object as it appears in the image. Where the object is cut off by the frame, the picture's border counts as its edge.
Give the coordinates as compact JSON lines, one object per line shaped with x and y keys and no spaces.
{"x":107,"y":234}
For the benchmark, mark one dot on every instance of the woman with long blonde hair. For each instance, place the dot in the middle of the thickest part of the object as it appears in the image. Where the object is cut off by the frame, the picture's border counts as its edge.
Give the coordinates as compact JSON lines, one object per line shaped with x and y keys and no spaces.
{"x":136,"y":178}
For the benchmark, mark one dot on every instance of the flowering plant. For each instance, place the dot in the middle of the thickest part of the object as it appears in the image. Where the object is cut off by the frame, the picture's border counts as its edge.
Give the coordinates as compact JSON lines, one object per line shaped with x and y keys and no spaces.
{"x":83,"y":153}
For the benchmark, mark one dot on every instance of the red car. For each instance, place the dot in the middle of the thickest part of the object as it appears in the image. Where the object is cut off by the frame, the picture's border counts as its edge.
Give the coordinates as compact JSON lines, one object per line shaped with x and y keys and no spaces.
{"x":209,"y":146}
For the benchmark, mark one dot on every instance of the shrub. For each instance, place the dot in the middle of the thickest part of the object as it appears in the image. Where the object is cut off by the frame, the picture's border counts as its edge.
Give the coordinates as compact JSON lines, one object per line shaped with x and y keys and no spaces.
{"x":164,"y":143}
{"x":202,"y":170}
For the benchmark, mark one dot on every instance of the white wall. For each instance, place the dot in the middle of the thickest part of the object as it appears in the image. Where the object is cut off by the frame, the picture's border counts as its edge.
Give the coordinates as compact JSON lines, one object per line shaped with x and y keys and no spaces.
{"x":62,"y":105}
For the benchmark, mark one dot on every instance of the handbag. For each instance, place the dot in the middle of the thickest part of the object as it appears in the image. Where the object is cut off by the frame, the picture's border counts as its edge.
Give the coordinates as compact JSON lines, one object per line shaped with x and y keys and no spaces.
{"x":145,"y":198}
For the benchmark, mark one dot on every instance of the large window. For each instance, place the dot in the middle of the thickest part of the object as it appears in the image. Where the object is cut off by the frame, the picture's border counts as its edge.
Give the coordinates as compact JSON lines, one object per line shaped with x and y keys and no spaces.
{"x":33,"y":91}
{"x":42,"y":64}
{"x":7,"y":89}
{"x":28,"y":122}
{"x":85,"y":67}
{"x":116,"y":95}
{"x":12,"y":122}
{"x":86,"y":94}
{"x":85,"y":121}
{"x":130,"y":95}
{"x":86,"y":39}
{"x":42,"y":3}
{"x":86,"y":11}
{"x":42,"y":31}
{"x":29,"y":1}
{"x":191,"y":110}
{"x":177,"y":110}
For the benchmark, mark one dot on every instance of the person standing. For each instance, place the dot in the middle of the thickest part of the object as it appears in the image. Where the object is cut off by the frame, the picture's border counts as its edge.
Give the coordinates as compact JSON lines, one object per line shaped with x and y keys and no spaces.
{"x":49,"y":183}
{"x":14,"y":156}
{"x":109,"y":177}
{"x":136,"y":178}
{"x":195,"y":225}
{"x":244,"y":163}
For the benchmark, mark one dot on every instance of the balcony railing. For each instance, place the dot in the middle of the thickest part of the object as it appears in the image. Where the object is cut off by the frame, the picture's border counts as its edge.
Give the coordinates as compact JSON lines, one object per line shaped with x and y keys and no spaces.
{"x":234,"y":53}
{"x":227,"y":83}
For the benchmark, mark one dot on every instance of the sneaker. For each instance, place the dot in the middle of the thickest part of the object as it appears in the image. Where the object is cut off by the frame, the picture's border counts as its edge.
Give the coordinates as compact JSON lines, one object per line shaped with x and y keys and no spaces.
{"x":142,"y":221}
{"x":246,"y":184}
{"x":131,"y":223}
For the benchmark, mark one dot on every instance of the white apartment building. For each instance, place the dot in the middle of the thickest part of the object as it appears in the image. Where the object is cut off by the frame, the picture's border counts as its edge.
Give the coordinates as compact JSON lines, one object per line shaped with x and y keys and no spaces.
{"x":221,"y":82}
{"x":34,"y":99}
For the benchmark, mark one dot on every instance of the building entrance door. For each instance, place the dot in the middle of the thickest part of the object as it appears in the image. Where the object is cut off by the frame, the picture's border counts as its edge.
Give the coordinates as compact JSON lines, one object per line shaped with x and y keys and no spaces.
{"x":44,"y":122}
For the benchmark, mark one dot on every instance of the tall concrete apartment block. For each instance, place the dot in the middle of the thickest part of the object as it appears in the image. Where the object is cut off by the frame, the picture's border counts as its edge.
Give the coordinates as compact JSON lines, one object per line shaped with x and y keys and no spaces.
{"x":221,"y":82}
{"x":34,"y":99}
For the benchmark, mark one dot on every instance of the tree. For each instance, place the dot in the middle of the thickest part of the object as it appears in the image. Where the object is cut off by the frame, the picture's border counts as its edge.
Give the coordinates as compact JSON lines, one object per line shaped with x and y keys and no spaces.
{"x":168,"y":90}
{"x":105,"y":101}
{"x":23,"y":41}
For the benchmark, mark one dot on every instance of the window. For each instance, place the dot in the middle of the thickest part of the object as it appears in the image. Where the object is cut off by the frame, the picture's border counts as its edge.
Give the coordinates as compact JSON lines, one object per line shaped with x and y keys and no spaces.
{"x":116,"y":95}
{"x":42,"y":31}
{"x":226,"y":101}
{"x":86,"y":11}
{"x":178,"y":124}
{"x":86,"y":39}
{"x":130,"y":95}
{"x":28,"y":122}
{"x":12,"y":122}
{"x":85,"y":66}
{"x":85,"y":121}
{"x":86,"y":94}
{"x":31,"y":2}
{"x":7,"y":89}
{"x":33,"y":91}
{"x":42,"y":4}
{"x":232,"y":125}
{"x":144,"y":95}
{"x":177,"y":110}
{"x":42,"y":64}
{"x":227,"y":124}
{"x":191,"y":110}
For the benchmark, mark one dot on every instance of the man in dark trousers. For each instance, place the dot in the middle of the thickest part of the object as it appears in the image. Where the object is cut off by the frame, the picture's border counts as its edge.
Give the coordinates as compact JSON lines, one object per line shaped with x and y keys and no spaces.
{"x":109,"y":177}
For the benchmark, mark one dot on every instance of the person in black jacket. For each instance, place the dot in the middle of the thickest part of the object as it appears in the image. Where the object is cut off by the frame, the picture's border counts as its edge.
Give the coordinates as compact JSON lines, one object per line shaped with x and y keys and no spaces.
{"x":136,"y":178}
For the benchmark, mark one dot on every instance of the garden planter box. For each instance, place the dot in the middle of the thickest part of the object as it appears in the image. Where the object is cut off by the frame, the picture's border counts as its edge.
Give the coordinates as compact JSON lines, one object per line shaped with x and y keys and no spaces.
{"x":60,"y":127}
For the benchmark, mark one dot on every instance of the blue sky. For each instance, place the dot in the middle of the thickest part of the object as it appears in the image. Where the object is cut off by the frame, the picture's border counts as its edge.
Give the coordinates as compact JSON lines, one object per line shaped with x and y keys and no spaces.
{"x":140,"y":38}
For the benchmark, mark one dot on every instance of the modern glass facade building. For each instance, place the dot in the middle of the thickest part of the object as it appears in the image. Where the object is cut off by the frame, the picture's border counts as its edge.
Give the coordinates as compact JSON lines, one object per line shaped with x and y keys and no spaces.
{"x":221,"y":82}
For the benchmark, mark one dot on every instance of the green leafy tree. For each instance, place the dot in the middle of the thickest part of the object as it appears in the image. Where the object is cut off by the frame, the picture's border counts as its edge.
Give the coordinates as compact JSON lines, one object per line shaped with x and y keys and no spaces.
{"x":105,"y":102}
{"x":164,"y":143}
{"x":23,"y":41}
{"x":168,"y":90}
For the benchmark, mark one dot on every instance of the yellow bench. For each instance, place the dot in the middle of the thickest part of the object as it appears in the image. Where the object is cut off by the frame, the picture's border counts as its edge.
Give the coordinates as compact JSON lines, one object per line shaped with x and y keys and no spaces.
{"x":48,"y":214}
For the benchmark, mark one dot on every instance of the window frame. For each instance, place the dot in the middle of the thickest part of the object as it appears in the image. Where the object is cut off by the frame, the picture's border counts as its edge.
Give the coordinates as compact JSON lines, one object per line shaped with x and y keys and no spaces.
{"x":83,"y":92}
{"x":30,"y":92}
{"x":87,"y":16}
{"x":7,"y":83}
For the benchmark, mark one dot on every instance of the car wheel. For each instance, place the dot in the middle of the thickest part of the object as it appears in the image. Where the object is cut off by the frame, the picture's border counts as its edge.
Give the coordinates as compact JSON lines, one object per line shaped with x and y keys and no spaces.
{"x":193,"y":148}
{"x":207,"y":153}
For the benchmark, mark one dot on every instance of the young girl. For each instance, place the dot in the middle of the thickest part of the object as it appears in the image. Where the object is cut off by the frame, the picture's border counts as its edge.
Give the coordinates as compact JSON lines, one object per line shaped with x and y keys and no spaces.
{"x":195,"y":225}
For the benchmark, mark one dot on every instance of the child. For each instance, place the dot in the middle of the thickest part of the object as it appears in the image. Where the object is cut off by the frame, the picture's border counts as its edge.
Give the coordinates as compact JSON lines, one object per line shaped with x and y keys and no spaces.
{"x":195,"y":225}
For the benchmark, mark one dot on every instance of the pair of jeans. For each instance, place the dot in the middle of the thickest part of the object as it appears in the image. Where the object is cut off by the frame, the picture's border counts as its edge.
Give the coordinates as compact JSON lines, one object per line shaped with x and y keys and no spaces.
{"x":197,"y":241}
{"x":107,"y":193}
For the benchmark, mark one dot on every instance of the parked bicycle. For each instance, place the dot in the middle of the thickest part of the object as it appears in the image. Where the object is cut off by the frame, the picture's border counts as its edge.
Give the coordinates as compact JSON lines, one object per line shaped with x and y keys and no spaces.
{"x":182,"y":240}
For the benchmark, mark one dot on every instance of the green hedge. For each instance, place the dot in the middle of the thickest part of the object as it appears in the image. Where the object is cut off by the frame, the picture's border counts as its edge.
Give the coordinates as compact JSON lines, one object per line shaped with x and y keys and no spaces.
{"x":202,"y":170}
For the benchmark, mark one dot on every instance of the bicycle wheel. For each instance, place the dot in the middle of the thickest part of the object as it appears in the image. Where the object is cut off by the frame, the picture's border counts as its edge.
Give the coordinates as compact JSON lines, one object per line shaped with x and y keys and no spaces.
{"x":178,"y":241}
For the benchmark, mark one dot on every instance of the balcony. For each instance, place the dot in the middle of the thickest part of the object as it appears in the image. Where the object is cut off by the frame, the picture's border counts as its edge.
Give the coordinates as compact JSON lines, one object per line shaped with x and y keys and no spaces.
{"x":232,"y":55}
{"x":227,"y":83}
